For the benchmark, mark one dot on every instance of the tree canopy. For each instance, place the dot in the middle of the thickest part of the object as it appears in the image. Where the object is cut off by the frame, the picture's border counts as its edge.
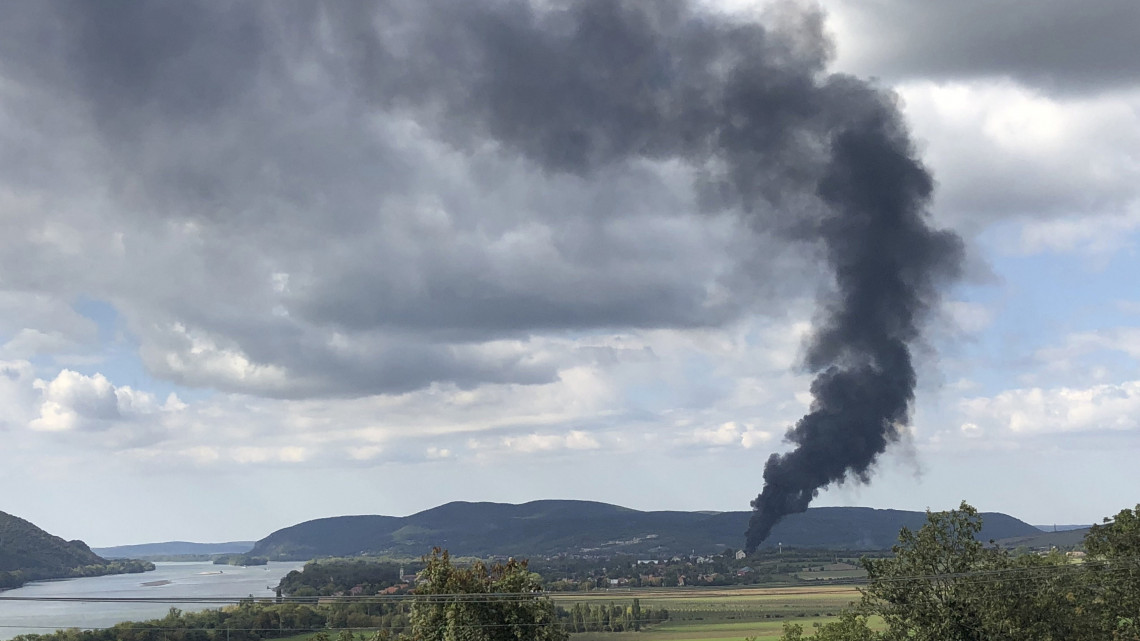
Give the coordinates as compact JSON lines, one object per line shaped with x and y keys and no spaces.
{"x":942,"y":584}
{"x":503,"y":602}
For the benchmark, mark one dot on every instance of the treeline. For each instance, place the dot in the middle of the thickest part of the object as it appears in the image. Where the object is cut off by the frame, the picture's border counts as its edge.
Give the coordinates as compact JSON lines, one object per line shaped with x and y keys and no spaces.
{"x":240,"y":559}
{"x":944,"y":585}
{"x":16,"y":578}
{"x":331,"y":576}
{"x":769,"y":566}
{"x":583,"y":617}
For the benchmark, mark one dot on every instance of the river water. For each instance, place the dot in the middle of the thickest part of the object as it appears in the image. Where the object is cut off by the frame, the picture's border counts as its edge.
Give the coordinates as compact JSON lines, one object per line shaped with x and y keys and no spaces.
{"x":167,"y":581}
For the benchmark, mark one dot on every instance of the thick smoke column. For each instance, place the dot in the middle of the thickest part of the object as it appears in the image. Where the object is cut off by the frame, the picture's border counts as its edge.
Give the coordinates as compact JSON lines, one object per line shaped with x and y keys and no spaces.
{"x":820,"y":158}
{"x":887,"y":263}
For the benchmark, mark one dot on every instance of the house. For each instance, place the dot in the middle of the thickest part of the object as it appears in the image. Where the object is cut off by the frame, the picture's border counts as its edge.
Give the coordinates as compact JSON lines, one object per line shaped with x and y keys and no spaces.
{"x":740,"y":555}
{"x":356,"y":590}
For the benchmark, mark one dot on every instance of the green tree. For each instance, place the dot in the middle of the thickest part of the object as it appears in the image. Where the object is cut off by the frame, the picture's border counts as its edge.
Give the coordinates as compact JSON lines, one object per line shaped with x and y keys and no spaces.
{"x":501,"y":603}
{"x":1114,"y":568}
{"x":944,"y":585}
{"x":850,"y":626}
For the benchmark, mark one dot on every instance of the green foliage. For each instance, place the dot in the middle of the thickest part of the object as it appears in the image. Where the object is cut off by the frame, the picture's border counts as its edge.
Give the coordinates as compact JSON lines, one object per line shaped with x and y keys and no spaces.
{"x":849,"y":627}
{"x":329,"y":576}
{"x":584,"y":617}
{"x":1114,"y":565}
{"x":240,"y":559}
{"x":942,"y":584}
{"x":501,"y":603}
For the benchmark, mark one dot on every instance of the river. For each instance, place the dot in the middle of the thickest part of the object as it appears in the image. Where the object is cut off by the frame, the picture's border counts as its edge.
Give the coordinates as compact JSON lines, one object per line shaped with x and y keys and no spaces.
{"x":168,"y":580}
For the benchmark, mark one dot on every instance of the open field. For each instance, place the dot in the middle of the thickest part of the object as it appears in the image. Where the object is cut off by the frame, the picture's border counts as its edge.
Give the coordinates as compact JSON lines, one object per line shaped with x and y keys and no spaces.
{"x":710,"y":614}
{"x":722,"y":614}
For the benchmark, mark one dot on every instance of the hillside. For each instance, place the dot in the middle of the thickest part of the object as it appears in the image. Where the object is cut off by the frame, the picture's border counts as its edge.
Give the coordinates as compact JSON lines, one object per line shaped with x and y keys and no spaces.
{"x":28,"y":553}
{"x":24,"y":546}
{"x":547,"y":528}
{"x":173,"y":548}
{"x":1062,"y":539}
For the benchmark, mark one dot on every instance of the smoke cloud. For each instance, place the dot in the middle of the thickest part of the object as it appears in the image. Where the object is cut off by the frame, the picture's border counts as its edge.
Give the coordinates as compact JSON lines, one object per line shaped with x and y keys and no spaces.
{"x":580,"y":90}
{"x":824,"y":159}
{"x":888,"y":263}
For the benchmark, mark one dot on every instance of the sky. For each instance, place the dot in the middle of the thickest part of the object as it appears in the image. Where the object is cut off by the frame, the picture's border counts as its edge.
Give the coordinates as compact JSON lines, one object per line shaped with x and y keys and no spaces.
{"x":264,"y":263}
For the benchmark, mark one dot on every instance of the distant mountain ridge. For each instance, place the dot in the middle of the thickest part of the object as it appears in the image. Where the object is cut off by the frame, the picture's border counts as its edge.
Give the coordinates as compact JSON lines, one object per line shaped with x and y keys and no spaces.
{"x":552,"y":527}
{"x":173,"y":548}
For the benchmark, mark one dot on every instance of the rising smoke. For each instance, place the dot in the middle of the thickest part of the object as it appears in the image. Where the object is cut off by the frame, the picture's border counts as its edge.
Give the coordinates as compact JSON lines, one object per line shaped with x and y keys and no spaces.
{"x":887,"y":263}
{"x":822,"y":158}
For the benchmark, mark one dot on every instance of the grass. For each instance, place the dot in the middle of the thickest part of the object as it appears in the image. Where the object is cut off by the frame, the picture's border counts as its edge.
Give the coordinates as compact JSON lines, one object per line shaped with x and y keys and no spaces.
{"x":723,"y":614}
{"x":711,"y":614}
{"x":832,"y":574}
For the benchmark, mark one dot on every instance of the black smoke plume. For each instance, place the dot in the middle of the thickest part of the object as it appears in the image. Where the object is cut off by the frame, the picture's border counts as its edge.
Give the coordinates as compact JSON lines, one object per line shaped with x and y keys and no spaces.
{"x":822,"y":158}
{"x":887,"y":262}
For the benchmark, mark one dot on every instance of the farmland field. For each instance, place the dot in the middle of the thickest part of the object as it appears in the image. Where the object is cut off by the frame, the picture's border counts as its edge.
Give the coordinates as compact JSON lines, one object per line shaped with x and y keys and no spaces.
{"x":708,"y":614}
{"x":721,"y":614}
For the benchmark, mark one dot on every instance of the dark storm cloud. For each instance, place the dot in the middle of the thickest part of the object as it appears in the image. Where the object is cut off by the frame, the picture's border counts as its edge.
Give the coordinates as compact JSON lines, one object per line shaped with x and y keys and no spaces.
{"x":1054,"y":45}
{"x":354,"y":198}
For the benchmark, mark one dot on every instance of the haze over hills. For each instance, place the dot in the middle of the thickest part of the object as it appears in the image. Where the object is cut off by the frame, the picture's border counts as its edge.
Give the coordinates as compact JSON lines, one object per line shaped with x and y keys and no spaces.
{"x":1059,"y":539}
{"x":173,"y":548}
{"x":552,"y":527}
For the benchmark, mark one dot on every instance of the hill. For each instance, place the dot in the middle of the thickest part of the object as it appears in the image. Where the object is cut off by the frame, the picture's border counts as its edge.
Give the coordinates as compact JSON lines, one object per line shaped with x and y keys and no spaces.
{"x":549,"y":528}
{"x":28,"y":553}
{"x":1062,"y":539}
{"x":173,"y":549}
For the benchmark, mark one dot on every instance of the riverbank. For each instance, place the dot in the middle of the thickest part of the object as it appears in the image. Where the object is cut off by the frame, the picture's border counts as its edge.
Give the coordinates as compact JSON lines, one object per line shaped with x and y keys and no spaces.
{"x":23,"y":612}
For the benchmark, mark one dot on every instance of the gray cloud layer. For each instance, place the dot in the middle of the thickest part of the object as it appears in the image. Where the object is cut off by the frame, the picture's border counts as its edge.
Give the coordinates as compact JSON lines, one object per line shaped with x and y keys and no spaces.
{"x":1055,"y":45}
{"x":342,"y":199}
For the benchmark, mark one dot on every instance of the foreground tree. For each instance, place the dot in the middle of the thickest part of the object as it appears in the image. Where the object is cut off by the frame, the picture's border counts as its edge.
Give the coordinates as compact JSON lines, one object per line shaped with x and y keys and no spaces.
{"x":942,"y":584}
{"x":501,"y":603}
{"x":1114,"y":568}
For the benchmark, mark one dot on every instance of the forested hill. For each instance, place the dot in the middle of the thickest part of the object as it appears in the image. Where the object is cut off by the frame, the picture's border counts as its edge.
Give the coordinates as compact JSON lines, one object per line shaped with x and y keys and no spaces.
{"x":28,"y":553}
{"x":543,"y":528}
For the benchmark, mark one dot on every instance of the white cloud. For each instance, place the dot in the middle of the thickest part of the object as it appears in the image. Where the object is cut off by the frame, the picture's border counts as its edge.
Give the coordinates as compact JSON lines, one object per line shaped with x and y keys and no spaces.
{"x":260,"y":454}
{"x":1077,"y":353}
{"x":1056,"y":410}
{"x":1109,"y":233}
{"x":196,"y":358}
{"x":968,"y":317}
{"x":75,"y":401}
{"x":529,"y":443}
{"x":730,"y":433}
{"x":1065,"y":167}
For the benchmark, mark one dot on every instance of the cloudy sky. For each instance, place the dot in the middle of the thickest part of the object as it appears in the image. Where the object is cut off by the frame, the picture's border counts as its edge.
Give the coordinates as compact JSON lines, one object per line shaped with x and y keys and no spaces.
{"x":267,"y":263}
